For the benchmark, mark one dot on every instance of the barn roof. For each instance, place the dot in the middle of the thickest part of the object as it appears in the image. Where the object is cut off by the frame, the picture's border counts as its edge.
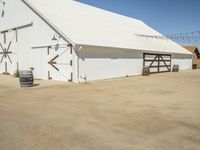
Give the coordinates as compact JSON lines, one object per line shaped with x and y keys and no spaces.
{"x":82,"y":24}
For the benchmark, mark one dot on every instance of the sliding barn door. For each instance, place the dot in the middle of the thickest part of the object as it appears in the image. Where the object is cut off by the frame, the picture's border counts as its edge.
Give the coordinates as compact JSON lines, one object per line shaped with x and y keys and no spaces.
{"x":52,"y":62}
{"x":60,"y":63}
{"x":157,"y":62}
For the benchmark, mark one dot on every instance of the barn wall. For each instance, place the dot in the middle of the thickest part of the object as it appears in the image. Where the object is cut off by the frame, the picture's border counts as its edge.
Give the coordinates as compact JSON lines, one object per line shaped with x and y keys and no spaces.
{"x":184,"y":61}
{"x":105,"y":63}
{"x":39,"y":34}
{"x":94,"y":62}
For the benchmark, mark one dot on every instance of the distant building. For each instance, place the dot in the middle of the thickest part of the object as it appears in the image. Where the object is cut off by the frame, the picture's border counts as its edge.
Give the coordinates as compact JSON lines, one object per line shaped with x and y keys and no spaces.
{"x":194,"y":50}
{"x":196,"y":55}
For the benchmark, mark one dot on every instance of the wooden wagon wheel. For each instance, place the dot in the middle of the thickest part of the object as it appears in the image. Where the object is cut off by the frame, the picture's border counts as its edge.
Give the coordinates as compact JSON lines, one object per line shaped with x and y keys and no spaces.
{"x":6,"y":52}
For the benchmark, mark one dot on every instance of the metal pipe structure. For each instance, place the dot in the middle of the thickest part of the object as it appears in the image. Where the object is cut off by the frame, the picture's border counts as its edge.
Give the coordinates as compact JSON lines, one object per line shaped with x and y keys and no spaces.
{"x":182,"y":38}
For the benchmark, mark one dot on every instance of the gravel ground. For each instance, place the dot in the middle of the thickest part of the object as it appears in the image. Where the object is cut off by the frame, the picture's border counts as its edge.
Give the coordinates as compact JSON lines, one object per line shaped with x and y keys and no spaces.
{"x":160,"y":112}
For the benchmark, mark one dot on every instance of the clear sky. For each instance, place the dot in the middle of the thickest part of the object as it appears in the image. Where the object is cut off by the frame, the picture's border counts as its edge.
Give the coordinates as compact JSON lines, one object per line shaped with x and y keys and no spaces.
{"x":166,"y":16}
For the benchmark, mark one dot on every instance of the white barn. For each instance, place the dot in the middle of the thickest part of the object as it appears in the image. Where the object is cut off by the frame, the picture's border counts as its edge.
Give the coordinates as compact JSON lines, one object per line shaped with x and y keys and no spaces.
{"x":70,"y":41}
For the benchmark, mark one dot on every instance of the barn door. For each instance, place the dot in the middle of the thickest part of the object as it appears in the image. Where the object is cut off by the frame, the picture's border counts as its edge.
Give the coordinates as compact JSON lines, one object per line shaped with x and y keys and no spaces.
{"x":8,"y":52}
{"x":157,"y":62}
{"x":60,"y":62}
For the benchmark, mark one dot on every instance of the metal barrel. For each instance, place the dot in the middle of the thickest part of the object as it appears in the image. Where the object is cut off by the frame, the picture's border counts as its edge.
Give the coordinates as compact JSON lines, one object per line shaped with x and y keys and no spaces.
{"x":26,"y":78}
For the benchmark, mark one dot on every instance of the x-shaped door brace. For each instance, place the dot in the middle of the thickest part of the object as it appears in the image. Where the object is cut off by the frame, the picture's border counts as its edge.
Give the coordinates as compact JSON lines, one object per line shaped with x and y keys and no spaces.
{"x":160,"y":59}
{"x":6,"y":53}
{"x":52,"y":62}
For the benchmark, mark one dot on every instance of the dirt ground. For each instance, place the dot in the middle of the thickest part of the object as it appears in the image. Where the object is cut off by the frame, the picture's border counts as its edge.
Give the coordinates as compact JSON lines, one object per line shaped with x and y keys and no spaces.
{"x":160,"y":112}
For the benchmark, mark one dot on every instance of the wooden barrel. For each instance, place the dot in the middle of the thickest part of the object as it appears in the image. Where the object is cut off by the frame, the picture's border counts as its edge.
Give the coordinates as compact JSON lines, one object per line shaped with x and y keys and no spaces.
{"x":194,"y":66}
{"x":26,"y":78}
{"x":146,"y":71}
{"x":175,"y":68}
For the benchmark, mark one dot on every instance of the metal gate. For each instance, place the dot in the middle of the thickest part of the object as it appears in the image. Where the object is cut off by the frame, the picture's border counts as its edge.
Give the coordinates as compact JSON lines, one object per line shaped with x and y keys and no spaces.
{"x":157,"y":62}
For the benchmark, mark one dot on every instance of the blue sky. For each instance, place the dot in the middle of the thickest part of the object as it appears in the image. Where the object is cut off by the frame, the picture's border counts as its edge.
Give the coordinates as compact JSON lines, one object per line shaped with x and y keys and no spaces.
{"x":166,"y":16}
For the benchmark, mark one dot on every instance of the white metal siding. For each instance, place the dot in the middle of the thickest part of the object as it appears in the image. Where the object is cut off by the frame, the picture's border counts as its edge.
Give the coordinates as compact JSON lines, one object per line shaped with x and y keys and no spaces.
{"x":98,"y":63}
{"x":39,"y":34}
{"x":105,"y":63}
{"x":184,"y":61}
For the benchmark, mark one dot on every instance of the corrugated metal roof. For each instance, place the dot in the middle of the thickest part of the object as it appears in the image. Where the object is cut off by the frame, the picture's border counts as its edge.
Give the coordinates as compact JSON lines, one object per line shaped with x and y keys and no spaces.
{"x":88,"y":25}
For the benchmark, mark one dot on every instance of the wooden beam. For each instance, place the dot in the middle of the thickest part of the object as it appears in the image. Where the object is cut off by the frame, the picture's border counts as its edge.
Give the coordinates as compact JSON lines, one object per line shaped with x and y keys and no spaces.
{"x":153,"y":60}
{"x":150,"y":60}
{"x":6,"y":69}
{"x":16,"y":35}
{"x":52,"y":62}
{"x":49,"y":76}
{"x":17,"y":28}
{"x":158,"y":58}
{"x":168,"y":66}
{"x":161,"y":66}
{"x":71,"y":78}
{"x":153,"y":54}
{"x":4,"y":38}
{"x":51,"y":46}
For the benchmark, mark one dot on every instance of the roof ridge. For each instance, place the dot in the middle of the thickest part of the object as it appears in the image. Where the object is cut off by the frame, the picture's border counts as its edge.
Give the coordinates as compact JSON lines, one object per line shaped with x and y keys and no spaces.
{"x":46,"y":20}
